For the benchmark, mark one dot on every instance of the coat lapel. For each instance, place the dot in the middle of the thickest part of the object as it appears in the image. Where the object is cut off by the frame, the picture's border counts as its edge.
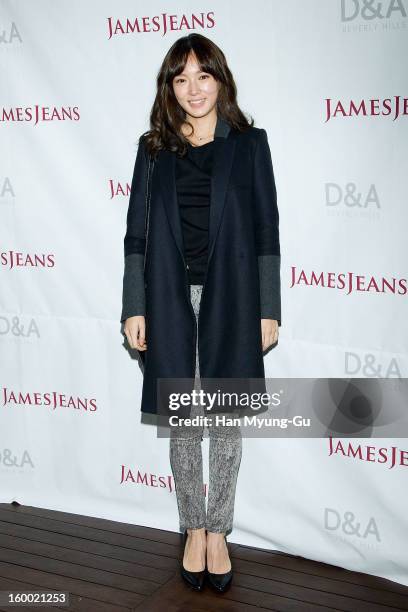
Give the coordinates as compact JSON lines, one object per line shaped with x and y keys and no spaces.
{"x":224,"y":148}
{"x":166,"y":167}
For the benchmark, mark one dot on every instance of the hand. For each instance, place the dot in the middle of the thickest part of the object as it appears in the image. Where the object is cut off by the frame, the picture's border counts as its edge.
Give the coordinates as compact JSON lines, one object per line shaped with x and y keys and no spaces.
{"x":135,"y":331}
{"x":270,"y":330}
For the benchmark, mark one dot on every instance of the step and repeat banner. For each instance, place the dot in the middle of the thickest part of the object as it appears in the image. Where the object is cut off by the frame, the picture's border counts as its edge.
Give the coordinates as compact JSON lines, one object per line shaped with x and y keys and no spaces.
{"x":327,"y":80}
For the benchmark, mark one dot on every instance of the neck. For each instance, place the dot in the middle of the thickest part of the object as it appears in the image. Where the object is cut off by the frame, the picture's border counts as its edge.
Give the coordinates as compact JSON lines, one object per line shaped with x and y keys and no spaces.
{"x":203,"y":126}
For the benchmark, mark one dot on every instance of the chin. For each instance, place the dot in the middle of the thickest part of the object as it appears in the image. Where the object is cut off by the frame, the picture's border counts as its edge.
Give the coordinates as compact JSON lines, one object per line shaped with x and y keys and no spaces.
{"x":198,"y":112}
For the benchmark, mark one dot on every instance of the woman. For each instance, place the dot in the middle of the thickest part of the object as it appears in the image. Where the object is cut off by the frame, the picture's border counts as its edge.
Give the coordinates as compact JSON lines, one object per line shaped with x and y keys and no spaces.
{"x":201,"y":286}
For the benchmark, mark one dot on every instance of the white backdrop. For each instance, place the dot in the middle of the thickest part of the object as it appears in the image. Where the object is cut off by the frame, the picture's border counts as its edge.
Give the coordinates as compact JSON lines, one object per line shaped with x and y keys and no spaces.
{"x":70,"y":393}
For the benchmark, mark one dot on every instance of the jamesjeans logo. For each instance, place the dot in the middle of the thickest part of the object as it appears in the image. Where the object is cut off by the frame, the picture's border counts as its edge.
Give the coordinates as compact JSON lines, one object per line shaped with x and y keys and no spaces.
{"x":349,"y":282}
{"x":38,"y":114}
{"x":12,"y":259}
{"x":369,"y":453}
{"x":397,"y":107}
{"x":117,"y":189}
{"x":49,"y":399}
{"x":134,"y":476}
{"x":164,"y":23}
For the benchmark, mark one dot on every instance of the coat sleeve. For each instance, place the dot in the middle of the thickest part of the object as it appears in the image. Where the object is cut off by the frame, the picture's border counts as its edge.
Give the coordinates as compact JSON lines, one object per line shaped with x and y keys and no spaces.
{"x":269,"y":281}
{"x":267,"y":230}
{"x":133,"y":294}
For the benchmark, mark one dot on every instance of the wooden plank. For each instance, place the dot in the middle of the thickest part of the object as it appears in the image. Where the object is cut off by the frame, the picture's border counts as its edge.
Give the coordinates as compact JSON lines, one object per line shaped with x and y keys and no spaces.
{"x":320,"y":584}
{"x":147,"y":533}
{"x":77,"y":572}
{"x":92,"y":590}
{"x":94,"y":534}
{"x":69,"y":542}
{"x":175,"y":596}
{"x":84,"y":559}
{"x":317,"y":568}
{"x":312,"y":594}
{"x":76,"y":603}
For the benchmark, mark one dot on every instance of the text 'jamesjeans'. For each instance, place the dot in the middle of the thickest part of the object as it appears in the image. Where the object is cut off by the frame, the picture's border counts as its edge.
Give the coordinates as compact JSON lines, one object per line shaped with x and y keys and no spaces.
{"x":187,"y":464}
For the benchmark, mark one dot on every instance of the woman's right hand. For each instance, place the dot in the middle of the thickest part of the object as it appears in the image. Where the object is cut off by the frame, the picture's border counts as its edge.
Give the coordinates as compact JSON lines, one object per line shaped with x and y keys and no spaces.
{"x":135,"y":331}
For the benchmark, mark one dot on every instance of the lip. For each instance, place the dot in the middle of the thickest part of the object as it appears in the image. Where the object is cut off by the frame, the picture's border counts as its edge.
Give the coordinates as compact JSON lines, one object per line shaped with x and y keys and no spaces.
{"x":197,"y":102}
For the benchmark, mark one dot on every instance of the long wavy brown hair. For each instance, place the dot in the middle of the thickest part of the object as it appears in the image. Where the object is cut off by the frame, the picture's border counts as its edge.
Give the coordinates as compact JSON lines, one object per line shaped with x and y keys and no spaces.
{"x":167,"y":116}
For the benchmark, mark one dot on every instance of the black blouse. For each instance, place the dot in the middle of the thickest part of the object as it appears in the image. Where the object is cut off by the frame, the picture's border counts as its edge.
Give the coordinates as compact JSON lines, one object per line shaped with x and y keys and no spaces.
{"x":193,"y":185}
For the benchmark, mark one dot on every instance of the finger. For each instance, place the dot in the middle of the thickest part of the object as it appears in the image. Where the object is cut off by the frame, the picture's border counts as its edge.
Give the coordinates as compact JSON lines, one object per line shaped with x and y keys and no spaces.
{"x":271,"y":338}
{"x":133,"y":340}
{"x":141,"y":340}
{"x":139,"y":345}
{"x":130,"y":340}
{"x":142,"y":334}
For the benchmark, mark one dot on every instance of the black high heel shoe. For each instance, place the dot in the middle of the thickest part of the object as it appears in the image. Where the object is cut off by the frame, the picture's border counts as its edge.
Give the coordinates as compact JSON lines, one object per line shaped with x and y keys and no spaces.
{"x":220,"y":582}
{"x":195,"y":580}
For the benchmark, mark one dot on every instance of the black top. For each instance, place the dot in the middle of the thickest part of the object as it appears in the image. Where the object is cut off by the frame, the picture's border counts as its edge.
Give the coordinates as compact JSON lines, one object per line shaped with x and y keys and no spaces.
{"x":193,"y":185}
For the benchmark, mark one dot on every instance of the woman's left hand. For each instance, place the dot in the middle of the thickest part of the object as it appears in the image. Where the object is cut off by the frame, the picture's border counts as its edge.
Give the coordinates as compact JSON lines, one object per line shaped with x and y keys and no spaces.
{"x":269,"y":332}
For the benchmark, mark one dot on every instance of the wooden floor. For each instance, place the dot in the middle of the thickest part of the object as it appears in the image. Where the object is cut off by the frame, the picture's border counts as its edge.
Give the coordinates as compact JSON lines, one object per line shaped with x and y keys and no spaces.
{"x":108,"y":566}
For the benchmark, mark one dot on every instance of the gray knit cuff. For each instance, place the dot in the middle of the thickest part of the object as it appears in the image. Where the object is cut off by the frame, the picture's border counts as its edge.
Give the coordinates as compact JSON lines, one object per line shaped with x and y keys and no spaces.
{"x":133,"y":296}
{"x":270,"y":286}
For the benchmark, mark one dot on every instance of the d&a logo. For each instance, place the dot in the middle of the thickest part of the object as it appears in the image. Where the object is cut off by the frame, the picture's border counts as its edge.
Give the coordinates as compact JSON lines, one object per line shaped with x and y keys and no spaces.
{"x":370,"y":10}
{"x":369,"y":366}
{"x":10,"y":35}
{"x":345,"y":526}
{"x":349,"y":197}
{"x":9,"y":460}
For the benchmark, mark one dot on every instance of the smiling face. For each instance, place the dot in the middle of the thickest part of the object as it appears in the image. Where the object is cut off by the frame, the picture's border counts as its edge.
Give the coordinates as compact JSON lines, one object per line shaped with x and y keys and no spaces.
{"x":196,"y":91}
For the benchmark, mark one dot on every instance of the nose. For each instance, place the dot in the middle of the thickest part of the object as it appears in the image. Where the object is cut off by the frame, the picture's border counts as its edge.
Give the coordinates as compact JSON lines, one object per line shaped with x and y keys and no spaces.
{"x":193,"y":88}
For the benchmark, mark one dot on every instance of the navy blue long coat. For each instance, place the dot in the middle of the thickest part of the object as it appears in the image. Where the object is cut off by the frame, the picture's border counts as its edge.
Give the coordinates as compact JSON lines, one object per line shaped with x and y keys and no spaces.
{"x":243,"y":224}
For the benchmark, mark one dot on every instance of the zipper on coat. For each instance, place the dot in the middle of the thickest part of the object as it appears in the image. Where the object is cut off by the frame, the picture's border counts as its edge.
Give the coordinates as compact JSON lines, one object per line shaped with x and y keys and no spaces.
{"x":147,"y":208}
{"x":187,"y":285}
{"x":196,"y":349}
{"x":199,"y":311}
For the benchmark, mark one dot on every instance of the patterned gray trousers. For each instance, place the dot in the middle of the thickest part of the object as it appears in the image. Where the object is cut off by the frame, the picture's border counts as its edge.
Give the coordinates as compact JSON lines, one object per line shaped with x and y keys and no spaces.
{"x":187,"y":464}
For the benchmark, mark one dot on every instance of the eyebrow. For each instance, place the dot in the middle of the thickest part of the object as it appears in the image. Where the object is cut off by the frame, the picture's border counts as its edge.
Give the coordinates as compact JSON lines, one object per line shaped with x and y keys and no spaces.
{"x":197,"y":71}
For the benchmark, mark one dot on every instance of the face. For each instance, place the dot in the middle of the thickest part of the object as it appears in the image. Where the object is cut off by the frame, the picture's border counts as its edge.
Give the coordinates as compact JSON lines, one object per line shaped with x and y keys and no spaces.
{"x":196,"y":91}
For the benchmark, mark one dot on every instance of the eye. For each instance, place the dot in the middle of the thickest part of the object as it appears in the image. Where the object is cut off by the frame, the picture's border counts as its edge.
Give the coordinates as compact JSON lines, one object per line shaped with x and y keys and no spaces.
{"x":205,"y":76}
{"x":179,"y":80}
